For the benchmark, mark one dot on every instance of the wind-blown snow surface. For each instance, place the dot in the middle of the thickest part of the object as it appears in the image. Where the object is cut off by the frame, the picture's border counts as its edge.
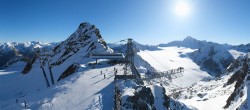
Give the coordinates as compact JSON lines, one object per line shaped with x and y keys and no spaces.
{"x":171,"y":58}
{"x":86,"y":89}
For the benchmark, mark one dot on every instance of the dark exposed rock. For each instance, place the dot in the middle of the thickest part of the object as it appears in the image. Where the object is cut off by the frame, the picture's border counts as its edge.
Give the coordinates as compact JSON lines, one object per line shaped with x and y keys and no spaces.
{"x":142,"y":100}
{"x":239,"y":77}
{"x":70,"y":70}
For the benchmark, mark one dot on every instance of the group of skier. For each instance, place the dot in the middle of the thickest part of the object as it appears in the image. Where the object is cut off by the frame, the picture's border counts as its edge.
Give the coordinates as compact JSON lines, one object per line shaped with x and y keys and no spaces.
{"x":115,"y":72}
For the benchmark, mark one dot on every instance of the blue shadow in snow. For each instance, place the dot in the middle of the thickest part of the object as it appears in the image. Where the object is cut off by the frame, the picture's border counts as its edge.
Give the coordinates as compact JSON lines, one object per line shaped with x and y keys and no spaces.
{"x":183,"y":55}
{"x":107,"y":97}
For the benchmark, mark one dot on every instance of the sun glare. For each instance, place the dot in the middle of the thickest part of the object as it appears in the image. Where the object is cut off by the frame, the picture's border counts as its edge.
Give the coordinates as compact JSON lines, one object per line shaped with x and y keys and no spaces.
{"x":182,"y":9}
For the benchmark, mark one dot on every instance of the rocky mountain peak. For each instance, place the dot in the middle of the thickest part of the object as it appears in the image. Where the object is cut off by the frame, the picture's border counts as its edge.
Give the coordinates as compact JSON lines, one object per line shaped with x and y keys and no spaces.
{"x":84,"y":24}
{"x":85,"y":40}
{"x":85,"y":34}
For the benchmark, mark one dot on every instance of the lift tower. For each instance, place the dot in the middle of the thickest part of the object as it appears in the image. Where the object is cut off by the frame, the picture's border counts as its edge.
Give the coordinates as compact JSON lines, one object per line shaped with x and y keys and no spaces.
{"x":129,"y":58}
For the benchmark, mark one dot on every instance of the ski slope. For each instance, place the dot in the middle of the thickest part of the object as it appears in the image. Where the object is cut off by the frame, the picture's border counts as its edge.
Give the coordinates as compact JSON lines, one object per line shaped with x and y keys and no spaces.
{"x":85,"y":89}
{"x":90,"y":90}
{"x":171,"y":58}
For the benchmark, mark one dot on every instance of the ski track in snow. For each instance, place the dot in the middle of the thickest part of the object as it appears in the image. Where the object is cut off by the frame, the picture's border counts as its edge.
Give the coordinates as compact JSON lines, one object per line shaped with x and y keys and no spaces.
{"x":87,"y":90}
{"x":92,"y":89}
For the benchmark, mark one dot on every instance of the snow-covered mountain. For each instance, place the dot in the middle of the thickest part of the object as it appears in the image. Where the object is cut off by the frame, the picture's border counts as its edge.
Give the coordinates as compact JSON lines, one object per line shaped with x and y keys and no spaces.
{"x":137,"y":47}
{"x":13,"y":52}
{"x":211,"y":57}
{"x":65,"y":77}
{"x":242,"y":48}
{"x":192,"y":43}
{"x":48,"y":68}
{"x":188,"y":42}
{"x":240,"y":70}
{"x":85,"y":40}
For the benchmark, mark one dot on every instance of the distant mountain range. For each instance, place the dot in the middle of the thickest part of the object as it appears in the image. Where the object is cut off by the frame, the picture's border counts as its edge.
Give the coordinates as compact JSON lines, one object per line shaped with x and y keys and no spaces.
{"x":11,"y":52}
{"x":221,"y":70}
{"x":212,"y":57}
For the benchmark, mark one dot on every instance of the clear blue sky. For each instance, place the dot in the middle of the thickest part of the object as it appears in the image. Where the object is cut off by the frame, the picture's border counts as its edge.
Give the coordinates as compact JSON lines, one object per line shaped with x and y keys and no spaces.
{"x":146,"y":21}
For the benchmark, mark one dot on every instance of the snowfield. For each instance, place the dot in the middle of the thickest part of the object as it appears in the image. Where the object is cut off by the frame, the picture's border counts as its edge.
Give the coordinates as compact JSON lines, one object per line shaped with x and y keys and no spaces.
{"x":207,"y":95}
{"x":196,"y":88}
{"x":92,"y":86}
{"x":171,"y":58}
{"x":86,"y":89}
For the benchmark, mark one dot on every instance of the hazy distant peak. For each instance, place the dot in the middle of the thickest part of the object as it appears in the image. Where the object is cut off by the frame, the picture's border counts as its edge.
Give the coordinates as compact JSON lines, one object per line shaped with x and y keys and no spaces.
{"x":189,"y":42}
{"x":189,"y":38}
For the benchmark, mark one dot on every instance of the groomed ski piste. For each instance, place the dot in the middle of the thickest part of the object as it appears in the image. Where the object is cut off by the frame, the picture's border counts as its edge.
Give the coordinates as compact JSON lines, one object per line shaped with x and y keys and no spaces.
{"x":85,"y":89}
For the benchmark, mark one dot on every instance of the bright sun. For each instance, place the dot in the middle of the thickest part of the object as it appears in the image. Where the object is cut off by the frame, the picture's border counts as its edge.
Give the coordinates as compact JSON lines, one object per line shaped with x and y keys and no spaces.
{"x":182,"y":9}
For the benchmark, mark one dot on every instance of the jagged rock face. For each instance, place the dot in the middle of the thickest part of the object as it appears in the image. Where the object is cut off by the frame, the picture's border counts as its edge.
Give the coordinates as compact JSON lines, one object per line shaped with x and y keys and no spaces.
{"x":143,"y":99}
{"x":237,"y":63}
{"x":70,"y":70}
{"x":85,"y":34}
{"x":241,"y":76}
{"x":212,"y":58}
{"x":13,"y":52}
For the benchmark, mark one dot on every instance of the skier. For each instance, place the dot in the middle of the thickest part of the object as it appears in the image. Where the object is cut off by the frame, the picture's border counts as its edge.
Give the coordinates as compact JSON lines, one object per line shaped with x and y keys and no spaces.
{"x":104,"y":76}
{"x":25,"y":104}
{"x":115,"y":72}
{"x":101,"y":72}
